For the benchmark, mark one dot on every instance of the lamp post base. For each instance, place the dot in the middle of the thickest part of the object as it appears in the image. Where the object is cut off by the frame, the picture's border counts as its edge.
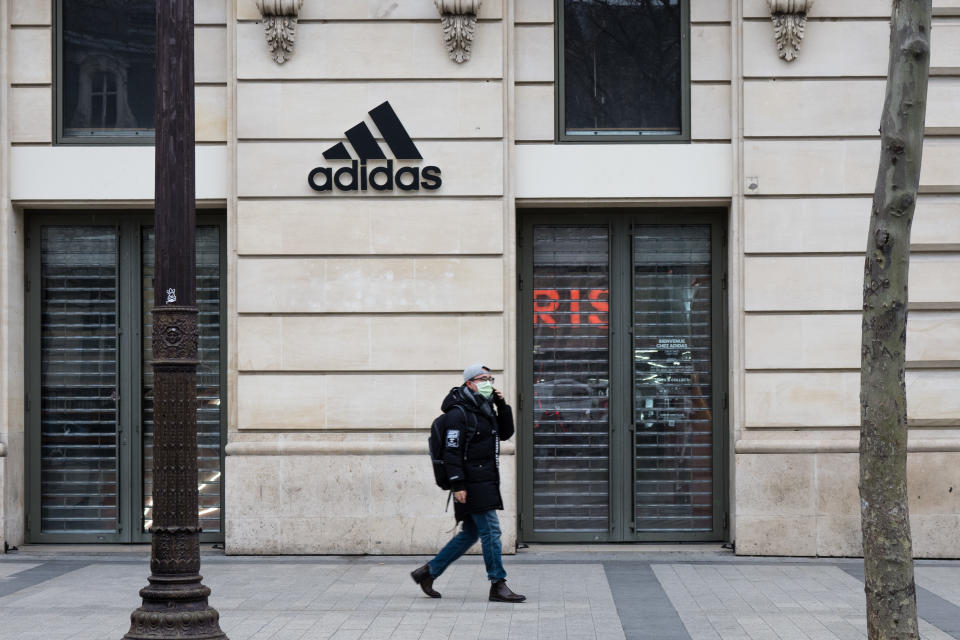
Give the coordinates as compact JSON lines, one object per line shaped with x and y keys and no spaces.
{"x":175,"y":607}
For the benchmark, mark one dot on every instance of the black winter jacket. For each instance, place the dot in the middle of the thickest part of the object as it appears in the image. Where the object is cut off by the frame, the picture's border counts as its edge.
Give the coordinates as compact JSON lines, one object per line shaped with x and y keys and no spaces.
{"x":472,"y":466}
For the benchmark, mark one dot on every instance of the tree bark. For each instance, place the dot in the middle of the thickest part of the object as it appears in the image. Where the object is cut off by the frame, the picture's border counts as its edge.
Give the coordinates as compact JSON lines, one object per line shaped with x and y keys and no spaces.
{"x":885,"y":516}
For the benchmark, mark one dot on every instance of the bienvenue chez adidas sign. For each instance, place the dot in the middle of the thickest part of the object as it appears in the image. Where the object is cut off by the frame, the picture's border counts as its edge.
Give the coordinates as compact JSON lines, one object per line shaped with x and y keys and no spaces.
{"x":360,"y":177}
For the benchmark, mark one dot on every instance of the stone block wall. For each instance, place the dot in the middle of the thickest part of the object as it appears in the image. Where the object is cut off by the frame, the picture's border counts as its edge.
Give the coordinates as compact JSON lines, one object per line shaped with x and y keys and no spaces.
{"x":350,"y":315}
{"x":12,"y":521}
{"x":810,"y":154}
{"x":807,"y":503}
{"x":355,"y":312}
{"x":346,"y":496}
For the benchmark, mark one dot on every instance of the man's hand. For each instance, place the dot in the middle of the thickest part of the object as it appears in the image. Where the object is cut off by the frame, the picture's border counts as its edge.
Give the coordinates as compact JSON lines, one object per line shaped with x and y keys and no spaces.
{"x":498,"y":394}
{"x":460,"y":496}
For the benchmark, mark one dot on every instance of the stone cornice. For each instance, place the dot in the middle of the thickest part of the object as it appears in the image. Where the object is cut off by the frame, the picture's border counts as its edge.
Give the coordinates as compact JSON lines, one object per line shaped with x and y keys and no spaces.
{"x":839,"y":445}
{"x":338,"y":448}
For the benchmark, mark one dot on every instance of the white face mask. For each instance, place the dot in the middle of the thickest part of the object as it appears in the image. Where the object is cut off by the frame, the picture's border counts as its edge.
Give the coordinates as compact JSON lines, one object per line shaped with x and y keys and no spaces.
{"x":485,"y":388}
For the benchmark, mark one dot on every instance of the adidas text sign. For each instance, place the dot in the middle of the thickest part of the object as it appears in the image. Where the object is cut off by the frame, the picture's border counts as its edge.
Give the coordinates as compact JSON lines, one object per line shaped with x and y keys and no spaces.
{"x":359,"y":176}
{"x":380,"y":178}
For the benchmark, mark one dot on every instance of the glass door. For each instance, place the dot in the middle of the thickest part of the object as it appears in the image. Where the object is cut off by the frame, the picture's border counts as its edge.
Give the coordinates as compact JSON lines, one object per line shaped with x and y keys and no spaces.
{"x":89,"y":392}
{"x":571,"y":374}
{"x":77,"y":406}
{"x":621,"y":338}
{"x":672,"y":328}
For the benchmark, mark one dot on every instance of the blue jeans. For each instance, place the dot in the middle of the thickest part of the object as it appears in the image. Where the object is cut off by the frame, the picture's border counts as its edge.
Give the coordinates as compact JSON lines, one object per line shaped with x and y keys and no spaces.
{"x":486,"y":527}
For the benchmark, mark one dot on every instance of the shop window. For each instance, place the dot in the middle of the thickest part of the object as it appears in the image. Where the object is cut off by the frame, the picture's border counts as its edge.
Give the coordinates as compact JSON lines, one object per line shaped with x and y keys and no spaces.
{"x":89,"y":397}
{"x":623,"y":70}
{"x":622,"y":401}
{"x":105,"y":71}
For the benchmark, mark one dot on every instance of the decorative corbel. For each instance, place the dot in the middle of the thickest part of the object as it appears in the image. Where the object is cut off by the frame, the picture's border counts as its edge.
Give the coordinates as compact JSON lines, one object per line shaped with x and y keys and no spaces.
{"x":279,"y":19}
{"x":459,"y":21}
{"x":789,"y":23}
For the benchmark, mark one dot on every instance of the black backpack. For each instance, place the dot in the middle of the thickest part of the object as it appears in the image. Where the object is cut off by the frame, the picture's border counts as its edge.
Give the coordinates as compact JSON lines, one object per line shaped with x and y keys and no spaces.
{"x":437,"y":442}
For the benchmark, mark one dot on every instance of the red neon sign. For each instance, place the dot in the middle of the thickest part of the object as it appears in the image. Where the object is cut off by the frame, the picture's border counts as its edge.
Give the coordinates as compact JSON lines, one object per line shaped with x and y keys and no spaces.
{"x":547,"y":303}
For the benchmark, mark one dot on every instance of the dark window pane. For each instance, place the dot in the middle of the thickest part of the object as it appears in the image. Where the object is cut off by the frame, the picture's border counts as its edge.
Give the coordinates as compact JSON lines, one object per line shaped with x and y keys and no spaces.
{"x":571,"y":375}
{"x":108,"y":67}
{"x":622,"y":69}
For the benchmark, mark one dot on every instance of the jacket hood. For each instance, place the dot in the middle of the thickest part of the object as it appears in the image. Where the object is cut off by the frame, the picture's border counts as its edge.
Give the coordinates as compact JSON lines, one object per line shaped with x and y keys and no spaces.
{"x":459,"y":396}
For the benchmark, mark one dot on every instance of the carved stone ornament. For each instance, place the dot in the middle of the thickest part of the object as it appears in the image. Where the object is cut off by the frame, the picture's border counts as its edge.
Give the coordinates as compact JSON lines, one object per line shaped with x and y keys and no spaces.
{"x":280,"y":26}
{"x":459,"y":21}
{"x":789,"y":23}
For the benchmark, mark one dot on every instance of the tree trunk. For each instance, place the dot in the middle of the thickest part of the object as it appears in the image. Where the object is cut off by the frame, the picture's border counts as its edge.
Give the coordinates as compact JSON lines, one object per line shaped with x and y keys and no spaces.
{"x":885,"y":517}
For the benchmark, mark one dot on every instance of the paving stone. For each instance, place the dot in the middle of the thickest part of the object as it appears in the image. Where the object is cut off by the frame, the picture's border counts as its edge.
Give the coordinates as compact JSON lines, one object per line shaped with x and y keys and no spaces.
{"x":788,"y":601}
{"x":371,"y":599}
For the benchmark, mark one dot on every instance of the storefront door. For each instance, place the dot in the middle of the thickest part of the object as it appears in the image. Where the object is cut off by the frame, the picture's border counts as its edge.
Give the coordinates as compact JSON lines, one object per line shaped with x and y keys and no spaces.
{"x":89,"y":381}
{"x":622,"y":387}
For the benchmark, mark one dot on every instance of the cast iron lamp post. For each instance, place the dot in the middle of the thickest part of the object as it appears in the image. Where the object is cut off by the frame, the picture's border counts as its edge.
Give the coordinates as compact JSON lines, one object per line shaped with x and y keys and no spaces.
{"x":175,"y":602}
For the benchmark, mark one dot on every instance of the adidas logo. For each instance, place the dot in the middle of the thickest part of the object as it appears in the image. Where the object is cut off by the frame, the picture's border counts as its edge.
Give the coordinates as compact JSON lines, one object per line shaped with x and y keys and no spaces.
{"x":358,"y":176}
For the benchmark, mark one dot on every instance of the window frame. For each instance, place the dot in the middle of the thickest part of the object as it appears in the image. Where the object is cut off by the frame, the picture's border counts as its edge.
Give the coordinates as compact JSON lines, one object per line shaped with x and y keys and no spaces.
{"x":560,"y":135}
{"x":58,"y":109}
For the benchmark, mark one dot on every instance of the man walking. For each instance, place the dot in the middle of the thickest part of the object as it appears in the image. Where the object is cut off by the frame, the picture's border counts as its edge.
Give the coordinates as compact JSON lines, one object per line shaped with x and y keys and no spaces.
{"x":476,"y":418}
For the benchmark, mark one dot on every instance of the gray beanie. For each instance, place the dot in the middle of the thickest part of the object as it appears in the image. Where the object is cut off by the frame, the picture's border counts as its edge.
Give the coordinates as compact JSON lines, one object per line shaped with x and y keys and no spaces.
{"x":473,"y":371}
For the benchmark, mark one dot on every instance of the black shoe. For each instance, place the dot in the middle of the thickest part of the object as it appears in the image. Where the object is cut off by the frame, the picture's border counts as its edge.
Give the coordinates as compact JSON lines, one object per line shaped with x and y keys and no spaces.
{"x":500,"y":592}
{"x":423,"y":578}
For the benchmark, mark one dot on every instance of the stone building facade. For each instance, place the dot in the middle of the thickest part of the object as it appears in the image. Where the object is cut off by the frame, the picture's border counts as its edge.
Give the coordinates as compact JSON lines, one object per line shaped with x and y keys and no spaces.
{"x":670,"y":301}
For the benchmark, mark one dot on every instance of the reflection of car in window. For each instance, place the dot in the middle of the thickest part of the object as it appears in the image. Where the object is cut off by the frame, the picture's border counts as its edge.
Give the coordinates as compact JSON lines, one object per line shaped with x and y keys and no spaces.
{"x":565,"y":402}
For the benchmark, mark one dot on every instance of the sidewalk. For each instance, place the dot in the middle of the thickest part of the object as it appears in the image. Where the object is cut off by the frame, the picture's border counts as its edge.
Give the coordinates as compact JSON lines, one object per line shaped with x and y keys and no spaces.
{"x":618,"y":593}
